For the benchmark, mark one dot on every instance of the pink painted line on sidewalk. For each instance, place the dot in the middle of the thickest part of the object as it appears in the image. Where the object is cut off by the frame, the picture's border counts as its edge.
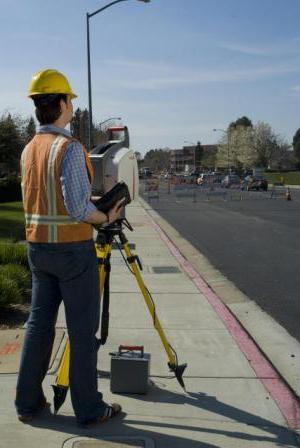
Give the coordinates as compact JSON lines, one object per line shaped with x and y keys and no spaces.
{"x":285,"y":399}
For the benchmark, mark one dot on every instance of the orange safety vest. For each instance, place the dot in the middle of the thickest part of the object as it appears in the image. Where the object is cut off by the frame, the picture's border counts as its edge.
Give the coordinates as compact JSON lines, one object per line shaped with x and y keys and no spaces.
{"x":46,"y":217}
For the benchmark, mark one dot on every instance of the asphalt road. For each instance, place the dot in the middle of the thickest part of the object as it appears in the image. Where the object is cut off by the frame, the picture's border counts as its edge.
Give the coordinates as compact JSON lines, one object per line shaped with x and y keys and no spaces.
{"x":255,"y":243}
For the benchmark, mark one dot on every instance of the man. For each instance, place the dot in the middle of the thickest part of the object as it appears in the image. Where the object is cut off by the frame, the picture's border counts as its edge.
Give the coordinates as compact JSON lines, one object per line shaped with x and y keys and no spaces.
{"x":56,"y":187}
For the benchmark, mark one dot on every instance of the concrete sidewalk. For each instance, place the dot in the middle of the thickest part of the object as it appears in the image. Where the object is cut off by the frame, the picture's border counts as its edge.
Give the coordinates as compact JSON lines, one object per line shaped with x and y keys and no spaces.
{"x":228,"y":403}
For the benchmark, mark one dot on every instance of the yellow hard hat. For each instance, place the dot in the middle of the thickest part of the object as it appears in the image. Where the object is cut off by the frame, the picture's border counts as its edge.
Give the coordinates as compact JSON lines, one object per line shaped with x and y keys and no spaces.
{"x":49,"y":81}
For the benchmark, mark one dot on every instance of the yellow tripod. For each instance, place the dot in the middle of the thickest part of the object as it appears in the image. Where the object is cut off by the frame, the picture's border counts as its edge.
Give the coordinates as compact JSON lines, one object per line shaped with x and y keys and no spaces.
{"x":104,"y":242}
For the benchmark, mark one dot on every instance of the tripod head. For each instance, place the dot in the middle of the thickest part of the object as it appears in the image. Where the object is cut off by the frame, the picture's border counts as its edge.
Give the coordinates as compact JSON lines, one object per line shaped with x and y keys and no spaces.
{"x":106,"y":234}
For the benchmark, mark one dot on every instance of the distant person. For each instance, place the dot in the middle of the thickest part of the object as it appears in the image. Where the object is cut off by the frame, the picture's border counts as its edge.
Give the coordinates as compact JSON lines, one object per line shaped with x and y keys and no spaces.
{"x":56,"y":186}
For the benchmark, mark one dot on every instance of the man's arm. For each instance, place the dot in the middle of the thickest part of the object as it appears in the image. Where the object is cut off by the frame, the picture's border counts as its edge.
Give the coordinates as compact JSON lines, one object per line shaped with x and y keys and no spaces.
{"x":76,"y":189}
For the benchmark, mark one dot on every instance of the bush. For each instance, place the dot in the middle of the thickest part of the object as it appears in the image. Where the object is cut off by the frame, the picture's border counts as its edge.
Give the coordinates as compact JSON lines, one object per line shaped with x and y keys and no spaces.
{"x":10,"y":189}
{"x":13,"y":253}
{"x":9,"y":291}
{"x":19,"y":274}
{"x":15,"y":280}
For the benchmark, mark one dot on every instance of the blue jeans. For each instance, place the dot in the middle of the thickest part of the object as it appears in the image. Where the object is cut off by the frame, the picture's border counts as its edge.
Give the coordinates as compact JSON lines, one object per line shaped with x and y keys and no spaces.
{"x":65,"y":272}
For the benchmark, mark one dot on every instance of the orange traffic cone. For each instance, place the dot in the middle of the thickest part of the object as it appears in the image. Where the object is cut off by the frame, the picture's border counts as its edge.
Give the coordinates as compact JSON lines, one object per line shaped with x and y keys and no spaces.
{"x":288,"y":194}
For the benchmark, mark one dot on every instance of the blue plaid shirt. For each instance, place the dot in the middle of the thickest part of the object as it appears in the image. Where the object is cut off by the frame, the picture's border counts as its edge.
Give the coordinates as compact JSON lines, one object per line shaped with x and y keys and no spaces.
{"x":76,"y":186}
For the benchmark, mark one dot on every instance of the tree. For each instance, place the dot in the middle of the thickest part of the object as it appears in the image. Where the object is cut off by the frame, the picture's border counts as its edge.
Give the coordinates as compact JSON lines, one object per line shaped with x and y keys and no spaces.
{"x":209,"y":158}
{"x":244,"y":122}
{"x":296,"y":147}
{"x":138,"y":156}
{"x":80,"y":128}
{"x":75,"y":124}
{"x":11,"y":143}
{"x":246,"y":146}
{"x":235,"y":148}
{"x":199,"y":152}
{"x":157,"y":159}
{"x":266,"y":144}
{"x":30,"y":130}
{"x":84,"y":127}
{"x":241,"y":152}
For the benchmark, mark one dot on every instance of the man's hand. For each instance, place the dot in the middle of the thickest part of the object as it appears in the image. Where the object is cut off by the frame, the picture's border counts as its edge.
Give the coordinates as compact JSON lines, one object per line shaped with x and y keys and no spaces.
{"x":115,"y":212}
{"x":98,"y":218}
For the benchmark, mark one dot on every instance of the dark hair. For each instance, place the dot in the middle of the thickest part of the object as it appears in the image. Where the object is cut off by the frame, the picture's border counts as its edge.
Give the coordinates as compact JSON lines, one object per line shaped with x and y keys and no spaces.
{"x":48,"y":107}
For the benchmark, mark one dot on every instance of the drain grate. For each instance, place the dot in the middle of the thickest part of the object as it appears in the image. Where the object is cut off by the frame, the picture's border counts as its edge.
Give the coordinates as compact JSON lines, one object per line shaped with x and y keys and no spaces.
{"x":165,"y":270}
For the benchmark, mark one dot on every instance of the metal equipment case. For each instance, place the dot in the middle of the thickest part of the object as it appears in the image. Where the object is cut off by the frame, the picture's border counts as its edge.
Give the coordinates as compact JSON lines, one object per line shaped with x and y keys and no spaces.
{"x":130,"y":370}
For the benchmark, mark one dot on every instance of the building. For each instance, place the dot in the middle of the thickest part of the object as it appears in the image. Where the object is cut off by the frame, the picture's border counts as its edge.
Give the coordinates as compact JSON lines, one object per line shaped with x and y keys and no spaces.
{"x":185,"y":159}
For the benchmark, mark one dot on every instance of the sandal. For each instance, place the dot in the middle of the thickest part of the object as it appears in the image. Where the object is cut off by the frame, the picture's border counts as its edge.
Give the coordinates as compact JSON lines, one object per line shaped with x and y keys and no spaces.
{"x":111,"y":411}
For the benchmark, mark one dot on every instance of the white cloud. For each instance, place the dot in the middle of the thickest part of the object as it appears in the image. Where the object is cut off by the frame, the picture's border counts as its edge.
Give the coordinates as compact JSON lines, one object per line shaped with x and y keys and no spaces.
{"x":246,"y":49}
{"x":156,"y":77}
{"x":273,"y":49}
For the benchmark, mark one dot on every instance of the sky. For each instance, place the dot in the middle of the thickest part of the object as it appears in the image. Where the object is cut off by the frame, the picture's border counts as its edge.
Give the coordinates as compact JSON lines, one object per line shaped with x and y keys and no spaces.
{"x":172,"y":69}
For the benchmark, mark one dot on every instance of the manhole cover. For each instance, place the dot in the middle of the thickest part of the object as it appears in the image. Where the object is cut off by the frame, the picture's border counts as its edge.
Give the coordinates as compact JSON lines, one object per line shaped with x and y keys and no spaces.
{"x":165,"y":270}
{"x":109,"y":442}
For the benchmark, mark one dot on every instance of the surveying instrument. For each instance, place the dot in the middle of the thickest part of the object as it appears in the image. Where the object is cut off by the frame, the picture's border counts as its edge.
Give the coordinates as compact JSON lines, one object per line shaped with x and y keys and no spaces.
{"x":105,"y":238}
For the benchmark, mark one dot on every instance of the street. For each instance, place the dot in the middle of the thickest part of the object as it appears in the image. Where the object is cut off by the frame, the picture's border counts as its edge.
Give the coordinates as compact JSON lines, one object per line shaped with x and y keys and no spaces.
{"x":254,"y":242}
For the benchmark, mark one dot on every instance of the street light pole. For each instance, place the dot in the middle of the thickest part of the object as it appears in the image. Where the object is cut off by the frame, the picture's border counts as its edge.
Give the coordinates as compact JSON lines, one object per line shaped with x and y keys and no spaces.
{"x":89,"y":80}
{"x":227,"y":135}
{"x":88,"y":16}
{"x":108,"y":119}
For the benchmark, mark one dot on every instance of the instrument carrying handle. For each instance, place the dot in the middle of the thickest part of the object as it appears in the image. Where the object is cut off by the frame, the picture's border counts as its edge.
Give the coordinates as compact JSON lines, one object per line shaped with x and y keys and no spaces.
{"x":132,"y":348}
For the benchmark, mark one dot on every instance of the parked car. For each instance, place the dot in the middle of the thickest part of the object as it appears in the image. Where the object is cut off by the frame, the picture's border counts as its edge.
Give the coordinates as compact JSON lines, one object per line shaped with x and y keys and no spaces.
{"x":145,"y":173}
{"x":256,"y":183}
{"x":208,"y":178}
{"x":231,"y":180}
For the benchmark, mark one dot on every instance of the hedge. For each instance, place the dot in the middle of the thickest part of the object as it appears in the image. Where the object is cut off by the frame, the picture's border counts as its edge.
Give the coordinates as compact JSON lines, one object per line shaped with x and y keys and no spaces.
{"x":13,"y":253}
{"x":15,"y":281}
{"x":10,"y":189}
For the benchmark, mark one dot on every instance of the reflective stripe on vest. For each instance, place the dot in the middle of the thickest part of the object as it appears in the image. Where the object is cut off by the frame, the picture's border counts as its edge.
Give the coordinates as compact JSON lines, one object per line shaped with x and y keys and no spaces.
{"x":59,"y":220}
{"x":51,"y":190}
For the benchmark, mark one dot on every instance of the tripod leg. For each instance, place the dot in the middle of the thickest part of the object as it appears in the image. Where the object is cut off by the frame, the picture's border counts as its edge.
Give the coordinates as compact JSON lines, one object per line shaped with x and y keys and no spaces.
{"x":173,"y":362}
{"x":103,"y":255}
{"x":62,"y":380}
